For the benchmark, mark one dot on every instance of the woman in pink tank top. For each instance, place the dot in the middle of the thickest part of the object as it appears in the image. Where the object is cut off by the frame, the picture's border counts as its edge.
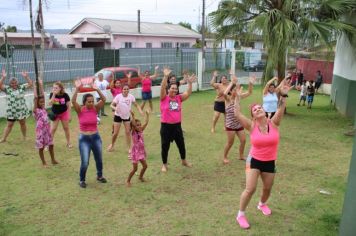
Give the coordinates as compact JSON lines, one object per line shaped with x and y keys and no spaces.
{"x":89,"y":138}
{"x":264,"y":137}
{"x":146,"y":82}
{"x":171,"y":116}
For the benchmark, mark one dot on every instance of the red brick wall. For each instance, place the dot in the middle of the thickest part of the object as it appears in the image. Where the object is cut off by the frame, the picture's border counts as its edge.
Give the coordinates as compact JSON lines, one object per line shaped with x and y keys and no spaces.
{"x":310,"y":67}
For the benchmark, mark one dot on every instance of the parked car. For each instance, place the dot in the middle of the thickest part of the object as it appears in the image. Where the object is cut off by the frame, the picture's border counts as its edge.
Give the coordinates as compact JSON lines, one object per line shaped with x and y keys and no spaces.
{"x":257,"y":66}
{"x":110,"y":73}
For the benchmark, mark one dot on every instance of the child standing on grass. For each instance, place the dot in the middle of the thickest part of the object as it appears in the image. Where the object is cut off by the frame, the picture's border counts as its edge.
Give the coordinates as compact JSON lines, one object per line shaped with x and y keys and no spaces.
{"x":138,"y":152}
{"x":310,"y":92}
{"x":43,"y":129}
{"x":303,"y":93}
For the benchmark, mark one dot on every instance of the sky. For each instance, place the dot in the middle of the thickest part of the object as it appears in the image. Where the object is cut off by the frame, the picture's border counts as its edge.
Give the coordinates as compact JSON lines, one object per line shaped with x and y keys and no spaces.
{"x":64,"y":14}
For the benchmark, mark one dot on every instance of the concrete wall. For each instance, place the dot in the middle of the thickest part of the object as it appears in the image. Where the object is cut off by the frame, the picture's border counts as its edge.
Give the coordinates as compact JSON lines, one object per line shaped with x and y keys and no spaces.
{"x":343,"y":91}
{"x":136,"y":92}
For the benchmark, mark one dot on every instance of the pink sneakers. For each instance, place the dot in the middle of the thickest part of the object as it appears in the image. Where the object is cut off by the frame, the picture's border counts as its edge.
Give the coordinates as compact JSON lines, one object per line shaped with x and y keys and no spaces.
{"x":242,"y":221}
{"x":265,"y":209}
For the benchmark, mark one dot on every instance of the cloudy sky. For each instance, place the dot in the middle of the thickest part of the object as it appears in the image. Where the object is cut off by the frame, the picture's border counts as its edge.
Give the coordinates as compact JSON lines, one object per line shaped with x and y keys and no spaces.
{"x":64,"y":14}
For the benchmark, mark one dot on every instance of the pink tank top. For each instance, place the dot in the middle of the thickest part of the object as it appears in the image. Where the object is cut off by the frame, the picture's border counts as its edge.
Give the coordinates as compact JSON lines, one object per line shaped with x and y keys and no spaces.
{"x":146,"y":85}
{"x":116,"y":91}
{"x":264,"y":147}
{"x":87,"y":119}
{"x":171,"y":109}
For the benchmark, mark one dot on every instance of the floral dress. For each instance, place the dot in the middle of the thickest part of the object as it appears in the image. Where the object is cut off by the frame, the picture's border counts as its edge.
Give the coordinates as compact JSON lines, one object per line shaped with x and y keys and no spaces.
{"x":43,"y":130}
{"x":16,"y":103}
{"x":138,"y":152}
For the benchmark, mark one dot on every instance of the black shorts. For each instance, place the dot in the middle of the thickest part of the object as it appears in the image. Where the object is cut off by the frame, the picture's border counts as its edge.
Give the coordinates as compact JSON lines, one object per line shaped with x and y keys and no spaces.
{"x":118,"y":119}
{"x":11,"y":120}
{"x":317,"y":85}
{"x":263,"y":166}
{"x":219,"y":107}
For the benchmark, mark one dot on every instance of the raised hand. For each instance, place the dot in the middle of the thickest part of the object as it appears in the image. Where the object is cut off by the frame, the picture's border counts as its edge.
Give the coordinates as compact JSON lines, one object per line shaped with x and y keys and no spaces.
{"x":156,"y":67}
{"x":24,"y":74}
{"x":215,"y":73}
{"x":77,"y":83}
{"x":192,"y":78}
{"x":3,"y":73}
{"x":128,"y":75}
{"x":252,"y":79}
{"x":286,"y":85}
{"x":166,"y":71}
{"x":234,"y":79}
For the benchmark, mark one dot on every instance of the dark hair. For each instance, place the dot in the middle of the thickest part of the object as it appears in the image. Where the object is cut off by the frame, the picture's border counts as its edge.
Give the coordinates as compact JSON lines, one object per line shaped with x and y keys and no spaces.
{"x":171,"y":76}
{"x":86,"y":96}
{"x":126,"y":85}
{"x":272,"y":85}
{"x":222,"y":78}
{"x":132,"y":126}
{"x":38,"y":99}
{"x":232,"y":88}
{"x":170,"y":85}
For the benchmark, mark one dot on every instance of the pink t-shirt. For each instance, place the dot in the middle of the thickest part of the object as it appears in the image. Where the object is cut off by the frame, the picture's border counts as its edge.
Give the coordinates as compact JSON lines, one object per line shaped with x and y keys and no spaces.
{"x":87,"y":119}
{"x":264,"y":147}
{"x":116,"y":91}
{"x":123,"y":105}
{"x":146,"y":85}
{"x":171,"y":109}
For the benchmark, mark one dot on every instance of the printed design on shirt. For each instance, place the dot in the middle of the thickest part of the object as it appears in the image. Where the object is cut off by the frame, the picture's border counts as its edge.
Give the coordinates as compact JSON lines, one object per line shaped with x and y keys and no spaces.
{"x":173,"y":105}
{"x":126,"y":102}
{"x":59,"y":101}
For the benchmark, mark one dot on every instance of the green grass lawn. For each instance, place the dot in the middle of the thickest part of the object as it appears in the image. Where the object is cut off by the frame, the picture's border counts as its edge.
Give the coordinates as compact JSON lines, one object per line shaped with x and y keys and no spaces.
{"x":314,"y":155}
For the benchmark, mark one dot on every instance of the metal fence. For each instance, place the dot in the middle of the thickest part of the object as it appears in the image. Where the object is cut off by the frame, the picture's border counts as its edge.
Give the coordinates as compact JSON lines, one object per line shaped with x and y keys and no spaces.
{"x":67,"y":64}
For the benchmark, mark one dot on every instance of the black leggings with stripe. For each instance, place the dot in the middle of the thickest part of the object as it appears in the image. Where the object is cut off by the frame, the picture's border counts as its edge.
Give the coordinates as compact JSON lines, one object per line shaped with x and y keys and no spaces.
{"x":170,"y":133}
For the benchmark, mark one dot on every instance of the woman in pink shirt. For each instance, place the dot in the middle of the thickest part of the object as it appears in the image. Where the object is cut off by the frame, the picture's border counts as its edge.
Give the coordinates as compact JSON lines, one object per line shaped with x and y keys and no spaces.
{"x":264,"y":137}
{"x":171,"y":116}
{"x":122,"y":106}
{"x":146,"y":81}
{"x":89,"y":138}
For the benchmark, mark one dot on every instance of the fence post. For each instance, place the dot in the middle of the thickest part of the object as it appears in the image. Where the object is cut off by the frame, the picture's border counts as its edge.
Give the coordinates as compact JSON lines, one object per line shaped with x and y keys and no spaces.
{"x":200,"y":70}
{"x":233,"y":61}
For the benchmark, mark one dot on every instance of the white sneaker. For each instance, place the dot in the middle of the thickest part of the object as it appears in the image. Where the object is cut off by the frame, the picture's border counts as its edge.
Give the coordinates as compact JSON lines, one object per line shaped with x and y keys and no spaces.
{"x":98,"y":120}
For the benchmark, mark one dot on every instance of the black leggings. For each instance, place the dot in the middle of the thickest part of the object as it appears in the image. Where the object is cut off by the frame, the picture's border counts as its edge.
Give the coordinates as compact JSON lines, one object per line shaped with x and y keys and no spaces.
{"x":170,"y":133}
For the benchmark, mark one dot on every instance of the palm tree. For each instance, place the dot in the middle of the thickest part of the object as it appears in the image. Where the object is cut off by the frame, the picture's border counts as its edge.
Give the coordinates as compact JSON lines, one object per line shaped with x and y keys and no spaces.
{"x":283,"y":23}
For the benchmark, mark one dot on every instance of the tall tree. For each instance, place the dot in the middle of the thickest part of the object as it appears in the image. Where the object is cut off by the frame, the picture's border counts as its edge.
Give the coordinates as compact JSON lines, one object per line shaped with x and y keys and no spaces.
{"x":283,"y":23}
{"x":185,"y":24}
{"x":10,"y":28}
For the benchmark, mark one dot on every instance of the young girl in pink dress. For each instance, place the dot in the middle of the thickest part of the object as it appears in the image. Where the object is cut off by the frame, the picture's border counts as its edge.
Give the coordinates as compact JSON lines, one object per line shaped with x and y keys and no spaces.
{"x":43,"y":129}
{"x":138,"y":152}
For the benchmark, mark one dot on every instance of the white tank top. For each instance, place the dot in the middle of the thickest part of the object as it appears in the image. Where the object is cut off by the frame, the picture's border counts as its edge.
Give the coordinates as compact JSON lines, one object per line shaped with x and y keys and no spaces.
{"x":270,"y":102}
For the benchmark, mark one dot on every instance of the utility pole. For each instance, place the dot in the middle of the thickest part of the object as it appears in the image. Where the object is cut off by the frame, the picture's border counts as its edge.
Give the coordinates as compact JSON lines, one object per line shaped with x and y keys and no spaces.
{"x":34,"y":49}
{"x":203,"y":32}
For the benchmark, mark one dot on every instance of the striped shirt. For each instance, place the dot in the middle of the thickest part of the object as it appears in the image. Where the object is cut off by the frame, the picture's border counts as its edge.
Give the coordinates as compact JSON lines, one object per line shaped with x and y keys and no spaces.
{"x":230,"y":119}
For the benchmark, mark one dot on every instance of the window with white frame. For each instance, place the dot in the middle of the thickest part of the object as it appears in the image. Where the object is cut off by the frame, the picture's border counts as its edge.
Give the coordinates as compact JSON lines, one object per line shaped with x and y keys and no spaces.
{"x":128,"y":45}
{"x":184,"y":45}
{"x":166,"y":45}
{"x":148,"y":45}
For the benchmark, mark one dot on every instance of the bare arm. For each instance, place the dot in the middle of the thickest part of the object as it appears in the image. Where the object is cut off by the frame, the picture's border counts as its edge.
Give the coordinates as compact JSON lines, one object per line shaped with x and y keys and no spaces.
{"x":166,"y":73}
{"x":155,"y":75}
{"x":74,"y":100}
{"x":27,"y":78}
{"x":252,"y":80}
{"x":138,"y":107}
{"x":213,"y":80}
{"x":147,"y":117}
{"x":3,"y":77}
{"x":102,"y":101}
{"x":265,"y":90}
{"x":187,"y":93}
{"x":277,"y":118}
{"x":244,"y":121}
{"x":129,"y":78}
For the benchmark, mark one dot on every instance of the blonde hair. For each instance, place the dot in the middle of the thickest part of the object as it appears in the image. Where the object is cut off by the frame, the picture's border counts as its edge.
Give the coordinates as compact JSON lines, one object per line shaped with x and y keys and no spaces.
{"x":60,"y":85}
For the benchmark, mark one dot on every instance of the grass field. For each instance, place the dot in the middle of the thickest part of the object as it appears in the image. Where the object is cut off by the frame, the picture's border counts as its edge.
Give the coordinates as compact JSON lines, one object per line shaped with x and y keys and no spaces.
{"x":314,"y":155}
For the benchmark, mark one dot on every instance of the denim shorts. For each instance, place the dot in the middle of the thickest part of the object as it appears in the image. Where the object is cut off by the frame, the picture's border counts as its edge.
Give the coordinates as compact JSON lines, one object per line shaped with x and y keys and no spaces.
{"x":146,"y":96}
